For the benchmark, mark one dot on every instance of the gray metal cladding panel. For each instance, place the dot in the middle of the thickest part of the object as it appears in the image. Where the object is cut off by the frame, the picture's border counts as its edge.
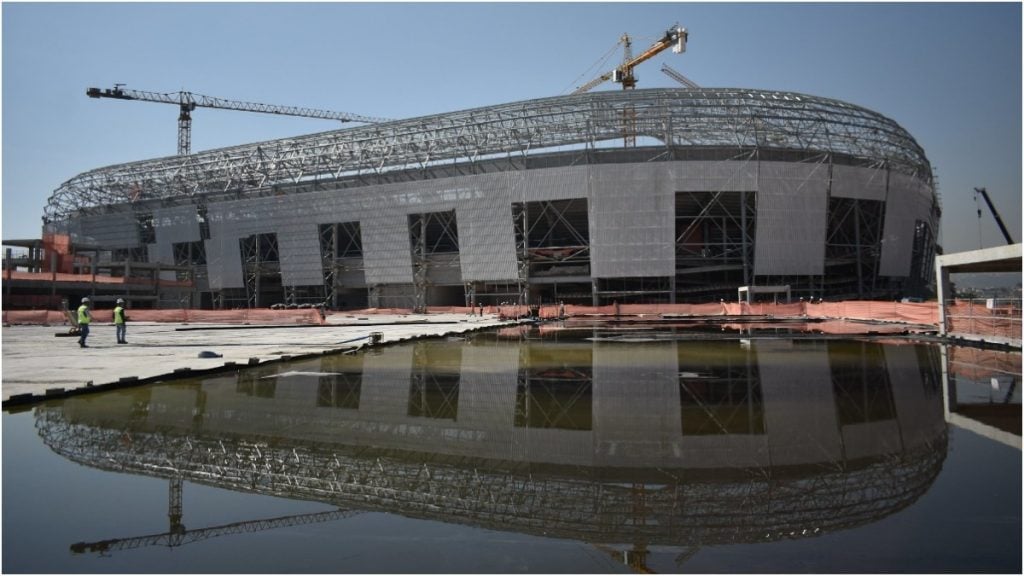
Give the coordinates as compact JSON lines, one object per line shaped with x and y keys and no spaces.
{"x":857,"y":182}
{"x":113,"y":230}
{"x":792,"y":204}
{"x":178,"y":224}
{"x":799,"y":411}
{"x":630,"y":381}
{"x":173,"y":226}
{"x":386,"y":250}
{"x":631,"y":221}
{"x":299,"y":247}
{"x":223,"y":255}
{"x":553,"y":184}
{"x":705,"y":176}
{"x":487,"y":392}
{"x":909,"y":200}
{"x":486,"y":236}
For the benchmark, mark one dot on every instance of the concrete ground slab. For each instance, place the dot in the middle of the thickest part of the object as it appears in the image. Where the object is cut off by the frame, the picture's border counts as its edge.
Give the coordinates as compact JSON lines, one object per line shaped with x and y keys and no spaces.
{"x":38,"y":363}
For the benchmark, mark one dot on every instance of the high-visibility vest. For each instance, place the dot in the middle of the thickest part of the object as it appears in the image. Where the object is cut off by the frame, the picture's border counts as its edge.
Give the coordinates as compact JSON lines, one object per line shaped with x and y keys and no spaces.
{"x":119,"y":315}
{"x":83,"y":314}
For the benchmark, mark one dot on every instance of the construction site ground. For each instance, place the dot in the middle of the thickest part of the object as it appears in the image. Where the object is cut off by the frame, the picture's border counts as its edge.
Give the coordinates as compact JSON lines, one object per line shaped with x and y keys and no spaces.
{"x":37,"y":363}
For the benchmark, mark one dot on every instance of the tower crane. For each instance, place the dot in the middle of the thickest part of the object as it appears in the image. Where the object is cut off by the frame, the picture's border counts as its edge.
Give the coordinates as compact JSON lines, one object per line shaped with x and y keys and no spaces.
{"x":675,"y":38}
{"x":187,"y":102}
{"x":995,"y":213}
{"x":178,"y":534}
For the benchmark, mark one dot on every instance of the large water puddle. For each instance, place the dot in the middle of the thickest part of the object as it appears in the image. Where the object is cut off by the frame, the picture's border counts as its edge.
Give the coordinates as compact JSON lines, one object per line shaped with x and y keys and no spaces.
{"x":530,"y":451}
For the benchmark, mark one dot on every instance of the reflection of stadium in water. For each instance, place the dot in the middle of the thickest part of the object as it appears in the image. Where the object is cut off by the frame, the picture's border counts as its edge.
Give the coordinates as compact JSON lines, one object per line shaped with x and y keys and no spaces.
{"x":674,"y":443}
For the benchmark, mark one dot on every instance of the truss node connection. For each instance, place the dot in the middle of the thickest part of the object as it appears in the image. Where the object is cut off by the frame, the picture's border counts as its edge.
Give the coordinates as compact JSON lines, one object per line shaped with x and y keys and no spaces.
{"x":676,"y":118}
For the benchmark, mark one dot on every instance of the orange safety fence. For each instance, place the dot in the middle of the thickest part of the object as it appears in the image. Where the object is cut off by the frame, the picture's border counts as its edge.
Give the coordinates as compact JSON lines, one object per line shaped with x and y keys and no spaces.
{"x":979,"y":364}
{"x":176,"y":315}
{"x":43,"y":317}
{"x":90,"y":279}
{"x":896,"y":312}
{"x":902,"y":312}
{"x":967,"y":317}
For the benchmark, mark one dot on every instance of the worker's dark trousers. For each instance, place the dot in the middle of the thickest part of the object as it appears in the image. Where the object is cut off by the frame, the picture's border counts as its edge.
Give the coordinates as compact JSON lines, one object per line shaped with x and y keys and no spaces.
{"x":83,"y":330}
{"x":119,"y":329}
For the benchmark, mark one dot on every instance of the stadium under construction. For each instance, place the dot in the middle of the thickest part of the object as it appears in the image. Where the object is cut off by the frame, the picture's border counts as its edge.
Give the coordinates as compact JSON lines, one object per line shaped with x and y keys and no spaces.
{"x":667,"y":195}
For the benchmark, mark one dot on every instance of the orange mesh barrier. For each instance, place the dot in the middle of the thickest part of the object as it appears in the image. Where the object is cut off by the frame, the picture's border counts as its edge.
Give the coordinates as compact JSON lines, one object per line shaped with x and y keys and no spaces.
{"x":967,"y":317}
{"x":43,"y":317}
{"x":979,"y":365}
{"x":181,"y":316}
{"x":240,"y":316}
{"x":89,"y":278}
{"x":59,"y":244}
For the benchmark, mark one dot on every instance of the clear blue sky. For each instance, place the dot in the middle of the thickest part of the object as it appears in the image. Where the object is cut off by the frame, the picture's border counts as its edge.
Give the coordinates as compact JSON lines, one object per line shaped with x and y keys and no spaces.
{"x":948,"y":73}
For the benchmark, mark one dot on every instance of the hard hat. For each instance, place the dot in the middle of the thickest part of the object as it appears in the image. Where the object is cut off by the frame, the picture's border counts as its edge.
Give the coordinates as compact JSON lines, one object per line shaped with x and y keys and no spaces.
{"x":84,"y":300}
{"x":120,"y":300}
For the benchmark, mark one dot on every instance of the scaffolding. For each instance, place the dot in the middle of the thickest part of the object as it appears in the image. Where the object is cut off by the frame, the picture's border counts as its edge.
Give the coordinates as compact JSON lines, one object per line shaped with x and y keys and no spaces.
{"x":551,"y":238}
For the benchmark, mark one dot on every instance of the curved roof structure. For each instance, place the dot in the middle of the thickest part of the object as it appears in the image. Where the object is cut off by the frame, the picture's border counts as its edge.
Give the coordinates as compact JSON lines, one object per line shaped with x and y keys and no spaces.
{"x":677,"y":118}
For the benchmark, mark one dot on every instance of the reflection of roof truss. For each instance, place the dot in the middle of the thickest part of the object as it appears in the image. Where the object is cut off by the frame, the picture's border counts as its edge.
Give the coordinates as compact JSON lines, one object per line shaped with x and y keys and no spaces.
{"x":755,"y":504}
{"x":721,"y":118}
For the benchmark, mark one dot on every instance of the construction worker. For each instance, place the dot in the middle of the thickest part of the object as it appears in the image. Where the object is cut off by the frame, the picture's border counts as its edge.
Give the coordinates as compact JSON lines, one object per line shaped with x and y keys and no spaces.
{"x":84,"y":317}
{"x":119,"y":318}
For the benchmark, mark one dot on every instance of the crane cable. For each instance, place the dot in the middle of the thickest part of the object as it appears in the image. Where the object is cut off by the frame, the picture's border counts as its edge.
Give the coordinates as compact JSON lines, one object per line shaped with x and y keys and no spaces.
{"x":599,"y":65}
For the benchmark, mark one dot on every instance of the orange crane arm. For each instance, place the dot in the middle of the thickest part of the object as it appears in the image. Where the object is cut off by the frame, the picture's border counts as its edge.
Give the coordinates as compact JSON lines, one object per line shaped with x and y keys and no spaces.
{"x":624,"y":72}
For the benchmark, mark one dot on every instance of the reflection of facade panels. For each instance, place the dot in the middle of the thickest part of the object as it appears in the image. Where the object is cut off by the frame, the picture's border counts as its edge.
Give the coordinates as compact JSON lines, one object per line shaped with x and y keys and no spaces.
{"x":480,"y":465}
{"x":632,"y":380}
{"x":863,"y":397}
{"x":794,"y":377}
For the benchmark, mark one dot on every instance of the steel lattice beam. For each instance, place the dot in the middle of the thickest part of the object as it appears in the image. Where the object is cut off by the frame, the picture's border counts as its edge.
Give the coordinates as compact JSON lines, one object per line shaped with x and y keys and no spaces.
{"x":673,"y":117}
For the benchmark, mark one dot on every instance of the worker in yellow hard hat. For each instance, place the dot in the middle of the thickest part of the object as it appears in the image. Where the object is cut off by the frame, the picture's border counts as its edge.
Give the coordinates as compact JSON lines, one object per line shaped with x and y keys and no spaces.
{"x":119,"y":321}
{"x":84,"y":317}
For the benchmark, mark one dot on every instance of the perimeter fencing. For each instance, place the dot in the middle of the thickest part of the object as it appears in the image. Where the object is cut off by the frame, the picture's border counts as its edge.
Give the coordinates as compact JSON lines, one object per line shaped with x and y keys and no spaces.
{"x":962,"y":316}
{"x":1000,"y":318}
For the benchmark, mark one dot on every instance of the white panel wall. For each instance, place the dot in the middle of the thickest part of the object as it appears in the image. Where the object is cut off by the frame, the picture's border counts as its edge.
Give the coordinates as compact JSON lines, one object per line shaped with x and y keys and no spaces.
{"x":901,"y":209}
{"x":859,"y":183}
{"x":701,"y":176}
{"x":114,"y":230}
{"x":553,"y":184}
{"x":799,"y":404}
{"x":173,"y":225}
{"x":487,"y":245}
{"x":792,"y":205}
{"x":632,"y":221}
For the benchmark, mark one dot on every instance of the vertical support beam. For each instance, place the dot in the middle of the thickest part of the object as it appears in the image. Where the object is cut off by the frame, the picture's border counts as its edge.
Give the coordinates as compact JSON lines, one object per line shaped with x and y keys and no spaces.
{"x":945,"y":290}
{"x":9,"y":267}
{"x":53,"y":276}
{"x":745,"y":238}
{"x":858,"y":248}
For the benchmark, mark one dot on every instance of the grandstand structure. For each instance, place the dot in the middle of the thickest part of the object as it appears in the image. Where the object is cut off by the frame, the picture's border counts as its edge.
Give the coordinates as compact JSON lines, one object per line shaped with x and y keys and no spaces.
{"x":636,"y":196}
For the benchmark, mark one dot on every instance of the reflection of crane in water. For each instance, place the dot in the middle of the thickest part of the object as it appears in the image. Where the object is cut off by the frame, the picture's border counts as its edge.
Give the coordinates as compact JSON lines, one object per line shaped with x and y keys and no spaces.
{"x":178,"y":534}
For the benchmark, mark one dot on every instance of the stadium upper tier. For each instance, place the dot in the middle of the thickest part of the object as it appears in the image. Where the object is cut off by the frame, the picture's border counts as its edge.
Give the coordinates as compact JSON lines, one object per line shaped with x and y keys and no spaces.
{"x":673,"y":118}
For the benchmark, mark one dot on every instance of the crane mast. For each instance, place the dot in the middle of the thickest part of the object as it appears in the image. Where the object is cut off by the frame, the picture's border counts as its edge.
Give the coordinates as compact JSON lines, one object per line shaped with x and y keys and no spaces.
{"x":188,"y":101}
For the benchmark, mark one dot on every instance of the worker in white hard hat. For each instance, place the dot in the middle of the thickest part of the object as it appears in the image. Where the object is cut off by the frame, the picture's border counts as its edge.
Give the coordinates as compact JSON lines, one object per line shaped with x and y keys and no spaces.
{"x":84,"y":317}
{"x":119,"y":321}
